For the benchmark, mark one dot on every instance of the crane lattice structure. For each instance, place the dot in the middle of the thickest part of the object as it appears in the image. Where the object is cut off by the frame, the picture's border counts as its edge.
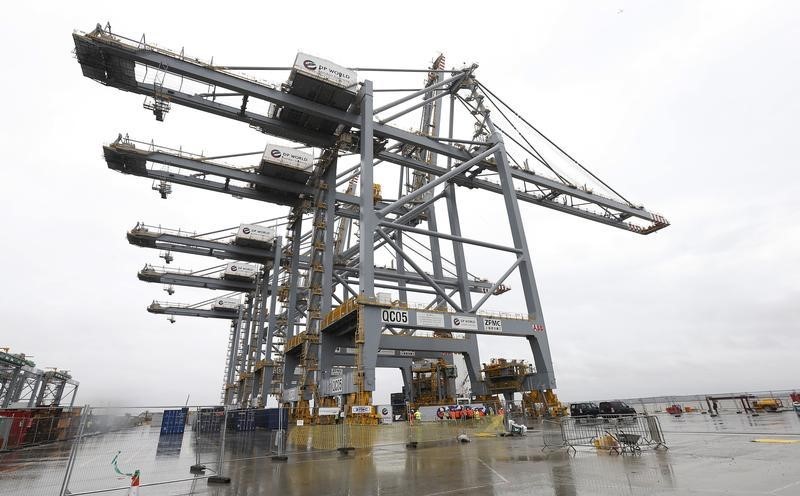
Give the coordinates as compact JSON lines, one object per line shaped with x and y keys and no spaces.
{"x":363,"y":278}
{"x":22,"y":384}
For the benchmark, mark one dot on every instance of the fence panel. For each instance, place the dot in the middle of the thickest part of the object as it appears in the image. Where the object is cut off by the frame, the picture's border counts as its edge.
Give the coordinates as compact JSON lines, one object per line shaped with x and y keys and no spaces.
{"x":120,"y":447}
{"x":38,"y":441}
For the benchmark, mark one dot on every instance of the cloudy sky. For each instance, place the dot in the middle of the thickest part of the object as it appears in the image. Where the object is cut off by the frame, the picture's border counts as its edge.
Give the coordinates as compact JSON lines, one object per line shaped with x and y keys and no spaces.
{"x":689,"y":108}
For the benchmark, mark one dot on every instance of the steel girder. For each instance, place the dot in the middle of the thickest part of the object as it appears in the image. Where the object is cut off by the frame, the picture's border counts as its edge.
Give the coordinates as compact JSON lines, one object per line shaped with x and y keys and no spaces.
{"x":112,"y":48}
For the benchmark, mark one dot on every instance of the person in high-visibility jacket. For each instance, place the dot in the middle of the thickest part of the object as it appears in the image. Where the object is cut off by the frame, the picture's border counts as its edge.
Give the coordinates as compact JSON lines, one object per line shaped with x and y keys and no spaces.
{"x":418,"y":415}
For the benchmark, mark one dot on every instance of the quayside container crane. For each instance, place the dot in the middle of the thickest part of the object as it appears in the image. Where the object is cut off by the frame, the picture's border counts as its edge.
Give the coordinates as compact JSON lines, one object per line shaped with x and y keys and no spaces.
{"x":331,"y":289}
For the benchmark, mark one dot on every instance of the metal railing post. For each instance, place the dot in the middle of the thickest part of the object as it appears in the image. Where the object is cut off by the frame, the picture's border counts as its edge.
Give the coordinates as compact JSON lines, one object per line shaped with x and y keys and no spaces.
{"x":74,"y":452}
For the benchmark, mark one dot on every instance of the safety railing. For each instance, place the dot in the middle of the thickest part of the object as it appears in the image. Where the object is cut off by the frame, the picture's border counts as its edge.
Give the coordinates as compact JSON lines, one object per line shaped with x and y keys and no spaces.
{"x":141,"y":44}
{"x":141,"y":226}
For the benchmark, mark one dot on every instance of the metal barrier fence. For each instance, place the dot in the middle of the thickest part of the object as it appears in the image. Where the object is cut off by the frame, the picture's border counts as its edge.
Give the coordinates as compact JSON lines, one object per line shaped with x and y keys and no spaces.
{"x":108,"y":449}
{"x":619,"y":434}
{"x":122,"y":447}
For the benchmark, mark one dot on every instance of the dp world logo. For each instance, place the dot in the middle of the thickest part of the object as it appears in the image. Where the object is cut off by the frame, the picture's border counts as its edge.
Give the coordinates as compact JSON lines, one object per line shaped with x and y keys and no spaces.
{"x":233,"y":268}
{"x":275,"y":153}
{"x":385,"y":411}
{"x":310,"y":65}
{"x":456,"y":321}
{"x":246,"y":230}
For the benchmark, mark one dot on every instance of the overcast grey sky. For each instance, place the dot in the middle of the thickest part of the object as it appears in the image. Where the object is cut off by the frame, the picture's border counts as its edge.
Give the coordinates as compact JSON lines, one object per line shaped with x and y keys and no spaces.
{"x":689,"y":108}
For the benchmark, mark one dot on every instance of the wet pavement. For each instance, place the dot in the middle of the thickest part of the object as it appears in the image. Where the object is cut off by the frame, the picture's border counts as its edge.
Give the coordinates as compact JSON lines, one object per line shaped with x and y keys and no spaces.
{"x":706,"y":456}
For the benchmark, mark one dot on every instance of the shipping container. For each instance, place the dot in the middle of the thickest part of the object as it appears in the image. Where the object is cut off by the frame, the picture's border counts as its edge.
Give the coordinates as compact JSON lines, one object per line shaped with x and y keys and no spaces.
{"x":209,"y":419}
{"x":255,"y":235}
{"x":241,"y":420}
{"x":174,"y":421}
{"x":21,"y":422}
{"x":240,"y":271}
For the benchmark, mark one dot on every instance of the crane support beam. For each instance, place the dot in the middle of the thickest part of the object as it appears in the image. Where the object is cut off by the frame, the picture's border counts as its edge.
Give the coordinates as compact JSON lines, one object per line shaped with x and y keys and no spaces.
{"x":614,"y":213}
{"x":126,"y":158}
{"x":111,"y":60}
{"x":197,"y":246}
{"x":193,"y":281}
{"x":187,"y":311}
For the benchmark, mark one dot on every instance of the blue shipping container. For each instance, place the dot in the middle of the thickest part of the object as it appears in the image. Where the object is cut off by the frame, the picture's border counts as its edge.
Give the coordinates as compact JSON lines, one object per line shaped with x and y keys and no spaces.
{"x":174,"y":421}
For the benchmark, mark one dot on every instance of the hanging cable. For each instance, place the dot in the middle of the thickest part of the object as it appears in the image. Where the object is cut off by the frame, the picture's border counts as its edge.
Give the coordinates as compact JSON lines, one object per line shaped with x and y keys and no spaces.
{"x":555,"y":145}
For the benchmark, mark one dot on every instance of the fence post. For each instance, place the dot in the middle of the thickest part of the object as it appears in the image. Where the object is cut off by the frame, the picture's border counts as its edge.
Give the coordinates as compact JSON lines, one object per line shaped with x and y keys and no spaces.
{"x":198,"y":468}
{"x":411,"y":426}
{"x":74,"y":452}
{"x":280,"y":438}
{"x":219,"y":478}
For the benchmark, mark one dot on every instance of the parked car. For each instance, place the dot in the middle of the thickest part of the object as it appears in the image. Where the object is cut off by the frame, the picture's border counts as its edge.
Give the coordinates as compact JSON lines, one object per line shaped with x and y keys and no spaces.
{"x":583,"y":409}
{"x":616,"y":408}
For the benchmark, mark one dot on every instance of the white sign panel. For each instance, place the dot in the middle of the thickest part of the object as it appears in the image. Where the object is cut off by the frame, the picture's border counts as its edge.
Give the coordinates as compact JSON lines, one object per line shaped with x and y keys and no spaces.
{"x":328,"y":410}
{"x":464,"y":322}
{"x":428,"y":319}
{"x":288,"y":157}
{"x":337,"y":385}
{"x":492,"y":324}
{"x":394,"y":316}
{"x":325,"y":70}
{"x":384,"y":413}
{"x":386,"y":352}
{"x":361,"y":409}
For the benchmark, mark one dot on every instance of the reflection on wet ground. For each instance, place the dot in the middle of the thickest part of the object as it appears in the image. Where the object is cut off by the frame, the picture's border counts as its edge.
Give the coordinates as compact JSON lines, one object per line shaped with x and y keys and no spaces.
{"x":707,"y":456}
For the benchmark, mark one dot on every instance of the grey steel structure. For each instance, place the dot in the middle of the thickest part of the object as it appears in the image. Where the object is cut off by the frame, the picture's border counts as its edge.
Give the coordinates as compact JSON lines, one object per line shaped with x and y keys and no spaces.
{"x":314,"y":325}
{"x":22,"y":384}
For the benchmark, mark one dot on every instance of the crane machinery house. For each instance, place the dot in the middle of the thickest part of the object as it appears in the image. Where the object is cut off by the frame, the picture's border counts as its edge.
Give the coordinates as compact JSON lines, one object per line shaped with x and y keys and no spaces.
{"x":286,"y":163}
{"x":225,"y":305}
{"x":255,"y":235}
{"x":308,"y":66}
{"x":321,"y":81}
{"x":240,"y":271}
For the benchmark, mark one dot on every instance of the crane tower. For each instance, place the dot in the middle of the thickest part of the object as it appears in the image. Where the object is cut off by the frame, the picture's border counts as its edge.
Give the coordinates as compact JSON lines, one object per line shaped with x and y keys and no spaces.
{"x":370,"y":267}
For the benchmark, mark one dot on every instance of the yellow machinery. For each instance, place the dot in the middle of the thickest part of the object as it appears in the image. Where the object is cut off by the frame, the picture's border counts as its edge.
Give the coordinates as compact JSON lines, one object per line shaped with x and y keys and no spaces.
{"x":432,"y":383}
{"x":544,"y":403}
{"x":507,"y":377}
{"x":769,"y":404}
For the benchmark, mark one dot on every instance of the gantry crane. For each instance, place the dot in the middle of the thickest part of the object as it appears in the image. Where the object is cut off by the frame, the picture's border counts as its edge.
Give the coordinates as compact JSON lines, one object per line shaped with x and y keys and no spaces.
{"x":22,"y":384}
{"x":352,"y":126}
